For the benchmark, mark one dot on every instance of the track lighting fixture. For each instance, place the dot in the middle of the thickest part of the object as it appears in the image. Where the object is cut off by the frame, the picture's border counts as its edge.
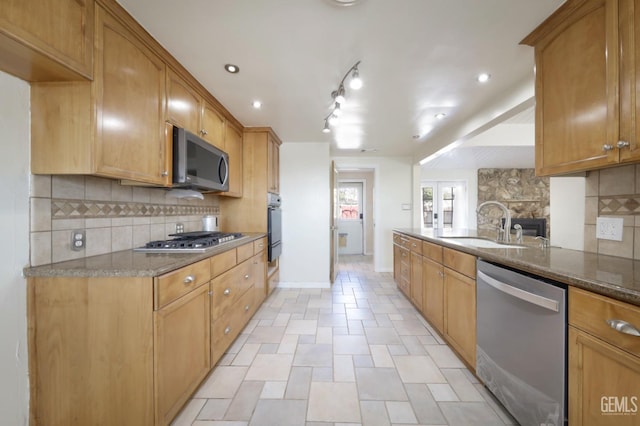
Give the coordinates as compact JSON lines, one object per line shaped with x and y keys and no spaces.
{"x":339,"y":98}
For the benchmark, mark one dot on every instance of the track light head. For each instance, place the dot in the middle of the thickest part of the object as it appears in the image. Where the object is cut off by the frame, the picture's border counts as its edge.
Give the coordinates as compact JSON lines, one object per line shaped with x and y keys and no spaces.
{"x":356,"y":81}
{"x":337,"y":111}
{"x":340,"y":95}
{"x":326,"y":127}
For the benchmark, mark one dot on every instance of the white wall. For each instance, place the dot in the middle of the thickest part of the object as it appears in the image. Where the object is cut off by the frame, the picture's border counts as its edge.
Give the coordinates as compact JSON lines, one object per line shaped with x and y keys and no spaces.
{"x":304,"y":187}
{"x":14,"y":253}
{"x":392,"y":188}
{"x":567,"y":209}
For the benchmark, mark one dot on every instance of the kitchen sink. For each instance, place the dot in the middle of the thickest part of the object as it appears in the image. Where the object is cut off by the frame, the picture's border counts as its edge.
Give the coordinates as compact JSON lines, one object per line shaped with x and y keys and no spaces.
{"x":481,"y":242}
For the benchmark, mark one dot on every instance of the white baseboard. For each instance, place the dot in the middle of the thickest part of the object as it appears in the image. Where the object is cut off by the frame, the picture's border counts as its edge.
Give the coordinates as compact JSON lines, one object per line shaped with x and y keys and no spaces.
{"x":304,"y":284}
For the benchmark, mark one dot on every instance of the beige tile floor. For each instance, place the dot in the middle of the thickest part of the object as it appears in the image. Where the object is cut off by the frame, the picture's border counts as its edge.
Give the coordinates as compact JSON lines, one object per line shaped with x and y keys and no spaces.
{"x":356,"y":354}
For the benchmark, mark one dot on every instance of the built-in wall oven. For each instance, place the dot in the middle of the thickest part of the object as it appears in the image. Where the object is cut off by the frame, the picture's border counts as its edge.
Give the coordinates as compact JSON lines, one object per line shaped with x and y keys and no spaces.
{"x":274,"y":226}
{"x":521,"y":343}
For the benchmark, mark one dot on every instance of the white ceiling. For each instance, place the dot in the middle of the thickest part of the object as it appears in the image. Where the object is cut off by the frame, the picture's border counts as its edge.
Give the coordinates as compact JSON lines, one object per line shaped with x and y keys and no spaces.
{"x":419,"y":58}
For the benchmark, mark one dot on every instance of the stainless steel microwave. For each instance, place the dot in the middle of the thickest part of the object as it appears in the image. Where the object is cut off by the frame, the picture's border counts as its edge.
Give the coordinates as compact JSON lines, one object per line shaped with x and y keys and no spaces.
{"x":197,"y":164}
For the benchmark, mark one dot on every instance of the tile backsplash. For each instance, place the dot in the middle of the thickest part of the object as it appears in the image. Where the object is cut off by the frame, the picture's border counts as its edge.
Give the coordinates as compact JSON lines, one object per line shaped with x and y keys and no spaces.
{"x":115,"y":217}
{"x":613,"y":192}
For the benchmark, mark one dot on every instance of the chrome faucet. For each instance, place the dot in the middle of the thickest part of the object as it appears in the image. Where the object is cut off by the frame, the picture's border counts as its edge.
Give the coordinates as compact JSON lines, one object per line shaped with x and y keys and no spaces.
{"x":504,"y":231}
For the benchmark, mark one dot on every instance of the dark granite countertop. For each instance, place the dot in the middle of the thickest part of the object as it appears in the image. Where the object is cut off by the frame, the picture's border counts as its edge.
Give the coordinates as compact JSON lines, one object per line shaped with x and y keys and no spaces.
{"x":129,"y":263}
{"x":611,"y":276}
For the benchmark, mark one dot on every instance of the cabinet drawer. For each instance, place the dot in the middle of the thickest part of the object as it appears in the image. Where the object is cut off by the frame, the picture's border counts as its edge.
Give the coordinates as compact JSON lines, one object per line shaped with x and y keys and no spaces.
{"x":396,"y":238}
{"x":171,"y":286}
{"x":228,"y":287}
{"x":590,"y":312}
{"x":227,"y":327}
{"x":458,"y":261}
{"x":432,"y":251}
{"x":223,"y":262}
{"x":259,"y":245}
{"x":245,"y":252}
{"x":415,"y":245}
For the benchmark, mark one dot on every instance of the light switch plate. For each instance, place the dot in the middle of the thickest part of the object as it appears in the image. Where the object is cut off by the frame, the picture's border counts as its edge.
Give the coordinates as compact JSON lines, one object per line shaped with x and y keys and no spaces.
{"x":609,"y":228}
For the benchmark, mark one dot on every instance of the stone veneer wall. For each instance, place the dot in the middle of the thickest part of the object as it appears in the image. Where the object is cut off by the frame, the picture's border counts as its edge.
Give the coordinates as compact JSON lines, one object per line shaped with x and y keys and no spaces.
{"x":613,"y":192}
{"x":115,"y":217}
{"x":524,"y":194}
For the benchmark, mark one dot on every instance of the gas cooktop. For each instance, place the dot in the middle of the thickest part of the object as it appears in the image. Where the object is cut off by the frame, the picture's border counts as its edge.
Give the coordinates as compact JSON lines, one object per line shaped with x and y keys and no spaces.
{"x":189,"y":242}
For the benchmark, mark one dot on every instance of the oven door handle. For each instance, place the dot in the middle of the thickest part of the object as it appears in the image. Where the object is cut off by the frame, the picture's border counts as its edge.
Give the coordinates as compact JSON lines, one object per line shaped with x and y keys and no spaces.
{"x":535,"y":299}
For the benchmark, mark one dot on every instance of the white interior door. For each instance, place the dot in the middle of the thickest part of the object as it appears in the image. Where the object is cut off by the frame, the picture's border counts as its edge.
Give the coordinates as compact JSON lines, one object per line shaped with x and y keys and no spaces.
{"x":444,"y":204}
{"x":333,"y":229}
{"x":350,"y":218}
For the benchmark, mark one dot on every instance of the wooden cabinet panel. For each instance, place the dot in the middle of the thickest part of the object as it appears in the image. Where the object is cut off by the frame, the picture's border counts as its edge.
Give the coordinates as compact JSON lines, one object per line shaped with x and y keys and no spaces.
{"x":416,"y":280}
{"x":629,"y":27}
{"x":415,"y":245}
{"x":433,"y":284}
{"x":602,"y":382}
{"x":227,"y":327}
{"x":259,"y":245}
{"x":171,"y":286}
{"x":432,"y":251}
{"x":182,"y":351}
{"x":228,"y":287}
{"x":184,"y":104}
{"x":223,"y":262}
{"x":213,"y":126}
{"x":233,"y":147}
{"x":461,"y":262}
{"x":273,"y":165}
{"x":47,"y":41}
{"x":91,"y":350}
{"x":460,"y":314}
{"x":259,"y":263}
{"x":245,"y":252}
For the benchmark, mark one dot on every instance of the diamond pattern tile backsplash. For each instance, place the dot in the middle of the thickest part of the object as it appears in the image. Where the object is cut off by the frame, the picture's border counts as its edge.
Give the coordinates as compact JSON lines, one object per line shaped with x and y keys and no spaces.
{"x":115,"y":217}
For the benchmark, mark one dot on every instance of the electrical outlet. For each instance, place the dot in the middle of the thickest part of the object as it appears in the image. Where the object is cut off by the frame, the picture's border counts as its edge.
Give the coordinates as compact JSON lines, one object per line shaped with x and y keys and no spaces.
{"x":78,"y":240}
{"x":609,"y":228}
{"x":179,"y":228}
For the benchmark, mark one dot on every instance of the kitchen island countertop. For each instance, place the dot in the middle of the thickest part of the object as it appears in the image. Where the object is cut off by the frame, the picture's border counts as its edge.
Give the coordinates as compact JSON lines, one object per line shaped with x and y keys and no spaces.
{"x":130,"y":263}
{"x":612,"y":276}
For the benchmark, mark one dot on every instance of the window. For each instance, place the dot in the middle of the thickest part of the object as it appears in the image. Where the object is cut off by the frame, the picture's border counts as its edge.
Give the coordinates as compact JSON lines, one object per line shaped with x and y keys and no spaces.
{"x":444,"y":205}
{"x":349,"y":203}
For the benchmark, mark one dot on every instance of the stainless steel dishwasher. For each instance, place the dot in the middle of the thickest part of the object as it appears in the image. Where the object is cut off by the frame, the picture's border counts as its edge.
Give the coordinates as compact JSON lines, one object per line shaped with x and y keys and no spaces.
{"x":521,"y":343}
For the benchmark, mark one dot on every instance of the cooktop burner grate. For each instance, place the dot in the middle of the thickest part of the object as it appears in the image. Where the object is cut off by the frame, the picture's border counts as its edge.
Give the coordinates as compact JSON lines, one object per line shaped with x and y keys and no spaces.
{"x":189,"y":242}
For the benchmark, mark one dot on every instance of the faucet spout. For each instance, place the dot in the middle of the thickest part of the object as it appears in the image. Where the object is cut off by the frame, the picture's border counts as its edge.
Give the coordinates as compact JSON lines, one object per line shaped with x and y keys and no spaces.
{"x":506,"y":234}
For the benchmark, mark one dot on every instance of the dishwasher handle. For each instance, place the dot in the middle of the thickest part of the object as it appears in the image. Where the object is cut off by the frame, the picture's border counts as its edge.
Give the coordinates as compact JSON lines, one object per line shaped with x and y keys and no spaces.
{"x":544,"y":302}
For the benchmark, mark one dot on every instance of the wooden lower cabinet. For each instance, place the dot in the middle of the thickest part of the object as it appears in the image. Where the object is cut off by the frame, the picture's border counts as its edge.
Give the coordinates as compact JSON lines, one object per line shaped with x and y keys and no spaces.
{"x":132,"y":350}
{"x":433,"y":298}
{"x":181,"y":351}
{"x":416,"y":283}
{"x":460,"y":314}
{"x":604,"y":363}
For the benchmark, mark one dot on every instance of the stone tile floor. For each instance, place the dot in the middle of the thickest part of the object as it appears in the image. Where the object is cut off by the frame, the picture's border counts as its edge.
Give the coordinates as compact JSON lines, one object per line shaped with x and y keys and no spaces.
{"x":355,"y":354}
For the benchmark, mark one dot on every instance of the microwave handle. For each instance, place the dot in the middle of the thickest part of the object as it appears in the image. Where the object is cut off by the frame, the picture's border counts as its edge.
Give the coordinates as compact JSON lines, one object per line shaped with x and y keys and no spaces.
{"x":223,"y":167}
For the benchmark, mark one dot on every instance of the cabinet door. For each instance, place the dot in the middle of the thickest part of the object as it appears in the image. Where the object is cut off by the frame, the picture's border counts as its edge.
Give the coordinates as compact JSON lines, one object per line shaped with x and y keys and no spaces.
{"x":396,"y":262}
{"x":577,"y":110}
{"x":629,"y":81}
{"x":260,"y":277}
{"x":233,"y":146}
{"x":182,"y":351}
{"x":433,"y":284}
{"x":52,"y":35}
{"x":273,"y":165}
{"x":130,"y":98}
{"x":603,"y":382}
{"x":416,"y":280}
{"x":212,"y":129}
{"x":460,"y":314}
{"x":183,"y":103}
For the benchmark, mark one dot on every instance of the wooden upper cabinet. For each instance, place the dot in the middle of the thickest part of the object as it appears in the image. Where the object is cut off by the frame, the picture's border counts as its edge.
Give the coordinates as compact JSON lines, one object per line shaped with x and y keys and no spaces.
{"x":184,"y":104}
{"x":47,"y":40}
{"x":586,"y":86}
{"x":233,"y":146}
{"x":130,"y":99}
{"x":273,"y":165}
{"x":188,"y":109}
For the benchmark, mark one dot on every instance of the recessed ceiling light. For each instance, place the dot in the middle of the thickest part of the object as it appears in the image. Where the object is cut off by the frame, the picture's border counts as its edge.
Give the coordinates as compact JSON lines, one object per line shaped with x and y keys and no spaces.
{"x":233,"y":69}
{"x":484,"y":77}
{"x":440,"y":115}
{"x":257,"y":104}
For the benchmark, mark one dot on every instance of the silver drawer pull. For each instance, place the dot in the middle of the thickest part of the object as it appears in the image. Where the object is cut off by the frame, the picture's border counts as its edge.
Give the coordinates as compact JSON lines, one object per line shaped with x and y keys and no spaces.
{"x":607,"y":147}
{"x":189,"y":279}
{"x":246,"y":277}
{"x":226,"y":291}
{"x":246,"y":308}
{"x":623,"y":327}
{"x":227,"y":330}
{"x":622,"y":144}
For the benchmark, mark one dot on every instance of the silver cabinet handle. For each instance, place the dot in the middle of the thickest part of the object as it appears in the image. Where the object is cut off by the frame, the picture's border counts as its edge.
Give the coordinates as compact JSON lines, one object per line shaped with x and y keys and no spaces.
{"x":246,"y":308}
{"x":607,"y":147}
{"x":227,"y":291}
{"x":246,"y":277}
{"x":210,"y":293}
{"x":622,"y":144}
{"x":441,"y":274}
{"x":204,"y":132}
{"x":165,"y":173}
{"x":189,"y":279}
{"x":623,"y":327}
{"x":227,"y":330}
